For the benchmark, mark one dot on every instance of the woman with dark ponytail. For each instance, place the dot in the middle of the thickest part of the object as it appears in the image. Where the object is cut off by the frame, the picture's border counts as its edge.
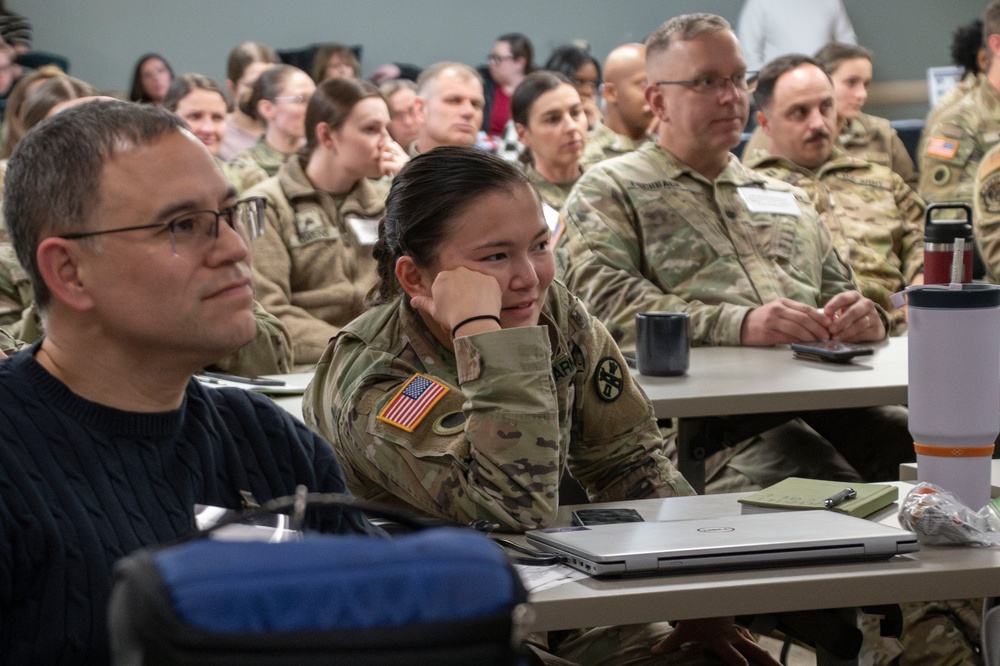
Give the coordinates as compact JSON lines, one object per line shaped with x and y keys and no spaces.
{"x":529,"y":386}
{"x":478,"y":382}
{"x":313,"y":266}
{"x":278,"y":99}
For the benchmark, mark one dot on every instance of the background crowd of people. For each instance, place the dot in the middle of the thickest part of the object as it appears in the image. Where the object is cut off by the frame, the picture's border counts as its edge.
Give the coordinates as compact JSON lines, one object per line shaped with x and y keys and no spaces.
{"x":488,"y":233}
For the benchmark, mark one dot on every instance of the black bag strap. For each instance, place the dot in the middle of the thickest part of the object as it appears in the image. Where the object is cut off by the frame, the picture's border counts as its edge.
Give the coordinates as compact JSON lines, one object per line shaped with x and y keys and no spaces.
{"x":302,"y":501}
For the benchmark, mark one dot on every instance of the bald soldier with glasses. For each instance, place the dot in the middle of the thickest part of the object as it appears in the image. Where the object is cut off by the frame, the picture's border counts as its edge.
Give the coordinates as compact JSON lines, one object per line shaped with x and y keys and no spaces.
{"x":139,"y":255}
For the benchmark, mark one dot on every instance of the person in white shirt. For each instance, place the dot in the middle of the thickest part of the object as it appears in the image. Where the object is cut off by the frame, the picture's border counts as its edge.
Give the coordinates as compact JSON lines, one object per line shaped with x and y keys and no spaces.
{"x":771,"y":28}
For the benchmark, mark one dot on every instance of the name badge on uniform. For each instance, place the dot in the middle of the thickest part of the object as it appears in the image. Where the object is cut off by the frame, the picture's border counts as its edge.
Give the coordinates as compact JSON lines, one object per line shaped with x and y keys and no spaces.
{"x":365,"y":229}
{"x":555,"y":223}
{"x":759,"y":200}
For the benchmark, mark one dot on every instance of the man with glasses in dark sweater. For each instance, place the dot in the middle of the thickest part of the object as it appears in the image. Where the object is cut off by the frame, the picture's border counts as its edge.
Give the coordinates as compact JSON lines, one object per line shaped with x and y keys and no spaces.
{"x":138,"y":252}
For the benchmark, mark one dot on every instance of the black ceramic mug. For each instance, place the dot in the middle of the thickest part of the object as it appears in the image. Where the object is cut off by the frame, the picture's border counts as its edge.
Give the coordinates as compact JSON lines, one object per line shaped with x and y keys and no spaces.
{"x":663,"y":343}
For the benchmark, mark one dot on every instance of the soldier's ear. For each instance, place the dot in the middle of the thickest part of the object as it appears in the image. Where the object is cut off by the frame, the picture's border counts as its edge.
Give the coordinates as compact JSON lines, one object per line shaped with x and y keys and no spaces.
{"x":765,"y":124}
{"x":419,"y":112}
{"x":522,"y":135}
{"x":609,"y":92}
{"x":993,"y":43}
{"x":657,"y":101}
{"x":415,"y":280}
{"x":63,"y":269}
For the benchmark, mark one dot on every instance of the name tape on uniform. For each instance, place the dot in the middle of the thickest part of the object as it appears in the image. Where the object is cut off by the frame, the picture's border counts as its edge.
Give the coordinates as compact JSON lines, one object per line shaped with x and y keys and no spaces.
{"x":555,"y":223}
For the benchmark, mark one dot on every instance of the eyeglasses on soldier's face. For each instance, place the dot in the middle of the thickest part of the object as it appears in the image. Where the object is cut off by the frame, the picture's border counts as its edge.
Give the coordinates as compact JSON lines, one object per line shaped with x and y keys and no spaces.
{"x":192,"y":234}
{"x":293,"y":99}
{"x":714,"y":84}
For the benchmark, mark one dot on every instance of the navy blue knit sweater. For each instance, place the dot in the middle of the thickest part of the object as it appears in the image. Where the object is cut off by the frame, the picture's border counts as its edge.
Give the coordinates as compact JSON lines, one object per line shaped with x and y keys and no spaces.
{"x":82,"y":485}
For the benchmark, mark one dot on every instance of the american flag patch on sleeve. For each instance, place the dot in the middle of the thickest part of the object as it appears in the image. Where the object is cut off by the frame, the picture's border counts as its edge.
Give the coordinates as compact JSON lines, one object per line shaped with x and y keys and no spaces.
{"x":939,"y":146}
{"x":412,"y":403}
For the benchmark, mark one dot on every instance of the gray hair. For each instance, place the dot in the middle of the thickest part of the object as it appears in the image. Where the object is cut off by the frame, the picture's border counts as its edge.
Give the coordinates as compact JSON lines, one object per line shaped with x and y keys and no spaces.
{"x":685,"y":26}
{"x":393,"y":86}
{"x":54,"y":176}
{"x":432,"y":73}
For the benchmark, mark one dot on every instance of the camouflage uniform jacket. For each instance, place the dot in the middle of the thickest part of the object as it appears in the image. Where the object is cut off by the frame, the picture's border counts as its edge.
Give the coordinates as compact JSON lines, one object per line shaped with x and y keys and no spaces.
{"x":313,"y":267}
{"x":646,"y":232}
{"x":243,"y":174}
{"x":868,"y":138}
{"x":986,"y":217}
{"x":875,"y":219}
{"x":269,"y":353}
{"x":16,"y":293}
{"x":948,"y":100}
{"x":873,"y":139}
{"x":261,"y":155}
{"x":554,"y":194}
{"x":956,"y":143}
{"x":611,"y":142}
{"x":522,"y":404}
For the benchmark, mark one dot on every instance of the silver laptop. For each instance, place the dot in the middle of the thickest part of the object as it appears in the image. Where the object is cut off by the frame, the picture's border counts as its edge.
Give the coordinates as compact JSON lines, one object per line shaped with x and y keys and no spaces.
{"x":732,"y":542}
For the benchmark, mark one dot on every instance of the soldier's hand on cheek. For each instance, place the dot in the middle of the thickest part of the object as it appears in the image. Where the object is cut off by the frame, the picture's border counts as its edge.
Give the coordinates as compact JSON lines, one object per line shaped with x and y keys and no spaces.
{"x":783,"y":321}
{"x":458,"y":294}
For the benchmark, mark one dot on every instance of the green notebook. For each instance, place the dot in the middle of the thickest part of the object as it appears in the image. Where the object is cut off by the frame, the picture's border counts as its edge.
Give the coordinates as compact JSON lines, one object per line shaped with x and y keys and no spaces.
{"x":794,"y":493}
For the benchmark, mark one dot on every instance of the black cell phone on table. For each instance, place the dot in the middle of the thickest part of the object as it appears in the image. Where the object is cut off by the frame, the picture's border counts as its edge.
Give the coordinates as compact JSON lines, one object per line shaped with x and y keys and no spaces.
{"x":605,"y":516}
{"x":831,"y":351}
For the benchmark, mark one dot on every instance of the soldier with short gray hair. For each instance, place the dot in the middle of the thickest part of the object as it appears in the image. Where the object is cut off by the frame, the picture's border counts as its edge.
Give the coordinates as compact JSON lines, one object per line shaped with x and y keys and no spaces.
{"x":681,"y":225}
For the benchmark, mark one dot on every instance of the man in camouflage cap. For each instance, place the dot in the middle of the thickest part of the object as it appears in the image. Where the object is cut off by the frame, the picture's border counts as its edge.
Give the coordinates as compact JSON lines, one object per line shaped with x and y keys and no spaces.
{"x":957,"y":140}
{"x":875,"y":219}
{"x":682,"y":225}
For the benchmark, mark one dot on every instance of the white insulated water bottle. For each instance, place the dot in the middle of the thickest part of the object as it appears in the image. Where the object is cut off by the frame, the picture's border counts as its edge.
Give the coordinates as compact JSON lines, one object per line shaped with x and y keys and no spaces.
{"x":954,"y":385}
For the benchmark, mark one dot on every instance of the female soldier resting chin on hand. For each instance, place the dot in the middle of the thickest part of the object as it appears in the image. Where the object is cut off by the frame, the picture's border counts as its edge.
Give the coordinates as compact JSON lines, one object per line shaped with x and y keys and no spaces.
{"x":477,"y":381}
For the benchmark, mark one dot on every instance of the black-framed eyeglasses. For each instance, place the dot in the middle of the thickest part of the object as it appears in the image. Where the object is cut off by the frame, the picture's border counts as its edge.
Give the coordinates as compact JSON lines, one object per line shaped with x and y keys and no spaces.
{"x":192,"y":233}
{"x":585,"y":83}
{"x":498,"y":58}
{"x":714,"y":84}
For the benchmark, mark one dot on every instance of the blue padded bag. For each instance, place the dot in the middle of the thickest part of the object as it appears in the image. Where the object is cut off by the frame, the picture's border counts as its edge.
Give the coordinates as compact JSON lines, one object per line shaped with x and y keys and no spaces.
{"x":443,"y":595}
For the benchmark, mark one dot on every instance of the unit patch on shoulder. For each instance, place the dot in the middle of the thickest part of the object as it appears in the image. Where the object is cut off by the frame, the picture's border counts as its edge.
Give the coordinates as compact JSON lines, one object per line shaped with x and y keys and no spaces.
{"x":609,"y":380}
{"x":989,"y":163}
{"x":942,"y":147}
{"x":989,"y":192}
{"x":412,"y":403}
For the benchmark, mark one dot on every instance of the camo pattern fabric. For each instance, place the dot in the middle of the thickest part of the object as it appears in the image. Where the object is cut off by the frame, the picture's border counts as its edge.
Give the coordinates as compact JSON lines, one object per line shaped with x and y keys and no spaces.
{"x":956,"y":143}
{"x":521,"y":407}
{"x":645,"y":232}
{"x":875,"y":219}
{"x":986,"y":218}
{"x":866,"y":137}
{"x":313,"y":267}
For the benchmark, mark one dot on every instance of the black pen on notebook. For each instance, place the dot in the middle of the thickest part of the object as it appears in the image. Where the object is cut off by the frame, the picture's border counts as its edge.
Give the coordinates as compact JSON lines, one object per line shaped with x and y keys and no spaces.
{"x":842,"y":496}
